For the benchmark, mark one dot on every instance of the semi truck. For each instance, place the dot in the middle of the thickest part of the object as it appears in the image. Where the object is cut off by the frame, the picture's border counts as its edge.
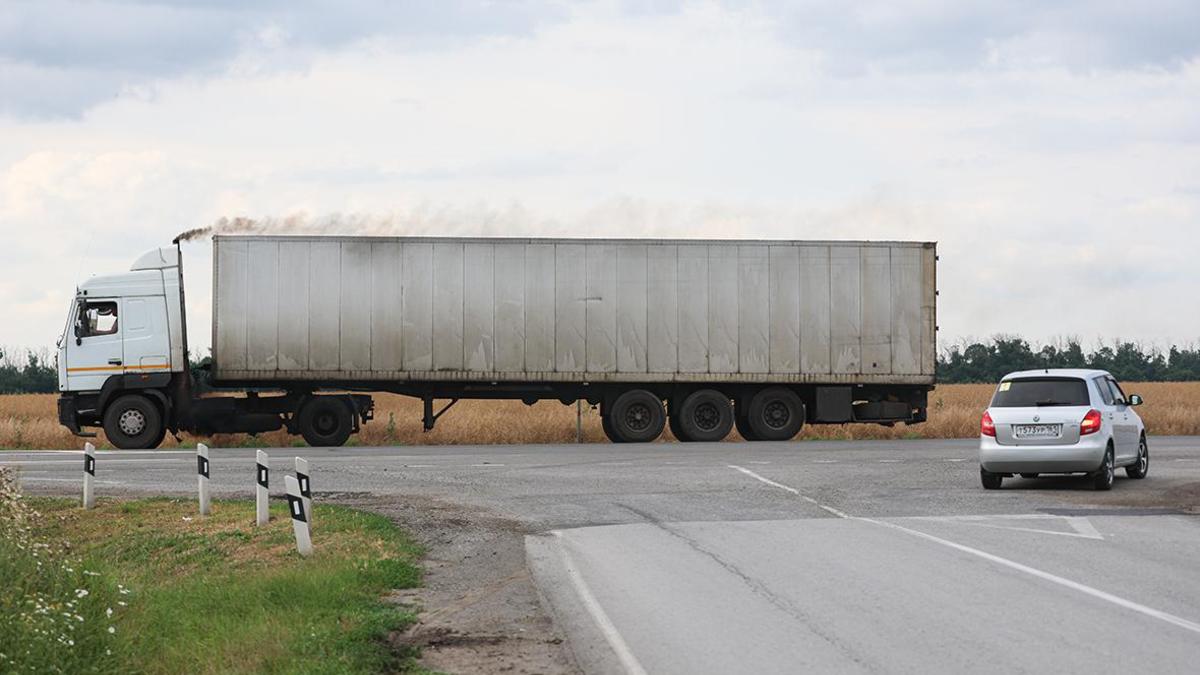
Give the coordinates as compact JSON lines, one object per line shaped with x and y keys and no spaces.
{"x":701,"y":336}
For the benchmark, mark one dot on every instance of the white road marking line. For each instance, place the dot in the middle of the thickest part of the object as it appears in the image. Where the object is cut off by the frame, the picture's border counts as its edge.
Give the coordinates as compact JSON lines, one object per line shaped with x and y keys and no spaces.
{"x":759,"y":462}
{"x":486,"y":464}
{"x":1047,"y":576}
{"x":606,"y":626}
{"x":419,"y":466}
{"x":889,"y":461}
{"x":1082,"y":526}
{"x":825,"y":461}
{"x":109,"y":453}
{"x":42,"y":461}
{"x":35,"y":479}
{"x":1011,"y":564}
{"x":956,"y":459}
{"x":792,"y":490}
{"x":1184,"y":459}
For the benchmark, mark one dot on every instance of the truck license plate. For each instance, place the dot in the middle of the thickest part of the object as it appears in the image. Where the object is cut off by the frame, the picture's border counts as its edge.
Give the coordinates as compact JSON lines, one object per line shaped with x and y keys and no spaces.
{"x":1038,"y":430}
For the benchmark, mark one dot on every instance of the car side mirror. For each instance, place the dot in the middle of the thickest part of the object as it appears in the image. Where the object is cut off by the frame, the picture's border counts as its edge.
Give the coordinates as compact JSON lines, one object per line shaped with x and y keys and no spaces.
{"x":1134,"y":399}
{"x":78,"y":333}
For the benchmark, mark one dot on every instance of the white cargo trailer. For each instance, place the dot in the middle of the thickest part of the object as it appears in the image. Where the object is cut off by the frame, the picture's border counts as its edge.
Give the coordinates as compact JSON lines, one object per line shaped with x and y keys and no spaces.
{"x":764,"y":335}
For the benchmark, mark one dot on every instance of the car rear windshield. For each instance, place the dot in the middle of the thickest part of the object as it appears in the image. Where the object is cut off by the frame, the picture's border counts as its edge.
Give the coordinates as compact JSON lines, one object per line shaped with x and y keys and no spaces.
{"x":1029,"y":392}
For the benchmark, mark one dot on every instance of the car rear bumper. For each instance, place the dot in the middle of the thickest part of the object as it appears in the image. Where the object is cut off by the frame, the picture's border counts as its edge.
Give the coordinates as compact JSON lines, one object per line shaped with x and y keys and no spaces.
{"x":1086,"y":455}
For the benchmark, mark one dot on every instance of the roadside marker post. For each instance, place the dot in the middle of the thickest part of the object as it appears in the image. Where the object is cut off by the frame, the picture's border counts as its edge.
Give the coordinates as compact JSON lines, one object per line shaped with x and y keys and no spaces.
{"x":305,"y":488}
{"x":299,"y":516}
{"x":261,"y":491}
{"x":89,"y":475}
{"x":202,"y":477}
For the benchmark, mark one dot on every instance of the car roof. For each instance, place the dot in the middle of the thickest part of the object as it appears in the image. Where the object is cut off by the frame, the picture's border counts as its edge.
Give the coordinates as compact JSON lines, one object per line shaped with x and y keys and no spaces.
{"x":1082,"y":373}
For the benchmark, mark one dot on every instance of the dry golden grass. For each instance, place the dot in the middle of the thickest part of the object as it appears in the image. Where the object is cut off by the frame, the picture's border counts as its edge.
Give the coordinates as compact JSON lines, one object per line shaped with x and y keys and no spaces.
{"x":30,"y":421}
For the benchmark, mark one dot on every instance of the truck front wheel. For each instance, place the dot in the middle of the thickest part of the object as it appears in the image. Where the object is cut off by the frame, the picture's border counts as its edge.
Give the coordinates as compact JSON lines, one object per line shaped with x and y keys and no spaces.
{"x":325,"y":421}
{"x":133,"y":422}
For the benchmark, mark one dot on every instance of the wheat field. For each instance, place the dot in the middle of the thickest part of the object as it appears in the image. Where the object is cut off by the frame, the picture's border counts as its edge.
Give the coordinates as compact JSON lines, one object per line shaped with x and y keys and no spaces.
{"x":29,"y":421}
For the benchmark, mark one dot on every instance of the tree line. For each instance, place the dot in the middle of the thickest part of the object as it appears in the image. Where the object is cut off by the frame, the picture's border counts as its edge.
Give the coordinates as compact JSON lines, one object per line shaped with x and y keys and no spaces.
{"x":36,"y":371}
{"x":1127,"y":361}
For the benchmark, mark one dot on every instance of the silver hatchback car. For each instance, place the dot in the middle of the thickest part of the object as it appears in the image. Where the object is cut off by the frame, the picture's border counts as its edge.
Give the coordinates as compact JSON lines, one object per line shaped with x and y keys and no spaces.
{"x":1061,"y":421}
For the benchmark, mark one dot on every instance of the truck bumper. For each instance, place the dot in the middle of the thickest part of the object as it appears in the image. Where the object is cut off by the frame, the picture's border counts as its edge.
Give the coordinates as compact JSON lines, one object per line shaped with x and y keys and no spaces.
{"x":68,"y":416}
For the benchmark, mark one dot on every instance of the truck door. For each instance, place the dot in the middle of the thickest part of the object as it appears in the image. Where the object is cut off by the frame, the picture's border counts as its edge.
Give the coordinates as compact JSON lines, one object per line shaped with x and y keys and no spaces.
{"x":94,"y":350}
{"x":144,"y":334}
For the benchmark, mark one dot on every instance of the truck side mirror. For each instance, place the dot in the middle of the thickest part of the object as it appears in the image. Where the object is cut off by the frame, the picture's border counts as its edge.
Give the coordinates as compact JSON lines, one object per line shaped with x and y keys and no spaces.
{"x":78,"y":332}
{"x":1135,"y":400}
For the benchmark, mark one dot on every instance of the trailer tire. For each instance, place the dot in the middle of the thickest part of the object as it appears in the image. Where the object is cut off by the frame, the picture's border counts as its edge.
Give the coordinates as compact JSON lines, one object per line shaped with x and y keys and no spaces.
{"x":606,"y":424}
{"x":706,"y":416}
{"x":775,"y":414}
{"x":133,"y":422}
{"x":741,"y":421}
{"x":637,"y":416}
{"x":673,"y":422}
{"x":325,"y":421}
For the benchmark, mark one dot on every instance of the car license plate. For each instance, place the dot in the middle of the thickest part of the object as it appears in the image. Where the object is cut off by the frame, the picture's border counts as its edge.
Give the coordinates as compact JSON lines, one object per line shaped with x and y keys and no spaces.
{"x":1037,"y":430}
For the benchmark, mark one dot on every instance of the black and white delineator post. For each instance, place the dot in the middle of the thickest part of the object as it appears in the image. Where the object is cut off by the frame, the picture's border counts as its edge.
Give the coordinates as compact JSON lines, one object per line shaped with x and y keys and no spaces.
{"x":89,"y":475}
{"x":261,"y":491}
{"x":202,"y":477}
{"x":299,"y":516}
{"x":305,"y":488}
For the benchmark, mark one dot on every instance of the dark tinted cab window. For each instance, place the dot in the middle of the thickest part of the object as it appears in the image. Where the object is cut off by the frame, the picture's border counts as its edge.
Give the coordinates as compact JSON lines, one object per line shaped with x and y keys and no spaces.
{"x":1041,"y":391}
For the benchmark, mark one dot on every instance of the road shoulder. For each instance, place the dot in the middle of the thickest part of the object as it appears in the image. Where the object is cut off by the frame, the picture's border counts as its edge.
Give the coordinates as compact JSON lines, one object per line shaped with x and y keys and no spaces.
{"x":479,"y":610}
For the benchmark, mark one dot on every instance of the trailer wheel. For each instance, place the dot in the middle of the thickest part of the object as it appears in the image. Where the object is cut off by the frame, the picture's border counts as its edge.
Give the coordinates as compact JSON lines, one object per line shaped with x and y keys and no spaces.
{"x":741,"y":421}
{"x":325,"y":421}
{"x":133,"y":422}
{"x":637,"y":417}
{"x":775,"y":414}
{"x":705,"y":416}
{"x":673,"y":421}
{"x":606,"y":424}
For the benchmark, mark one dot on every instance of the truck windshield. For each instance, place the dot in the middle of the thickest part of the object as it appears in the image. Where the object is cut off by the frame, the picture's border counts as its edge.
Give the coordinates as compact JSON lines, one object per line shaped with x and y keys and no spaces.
{"x":1041,"y":391}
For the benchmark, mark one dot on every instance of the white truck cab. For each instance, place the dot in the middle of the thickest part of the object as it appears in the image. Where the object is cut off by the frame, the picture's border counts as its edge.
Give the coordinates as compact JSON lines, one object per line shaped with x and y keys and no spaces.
{"x":124,"y":324}
{"x":124,"y":332}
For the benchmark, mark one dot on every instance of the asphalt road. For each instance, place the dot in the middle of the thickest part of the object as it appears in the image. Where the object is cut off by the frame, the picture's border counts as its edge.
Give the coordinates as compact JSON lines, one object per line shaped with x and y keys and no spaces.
{"x":812,"y":556}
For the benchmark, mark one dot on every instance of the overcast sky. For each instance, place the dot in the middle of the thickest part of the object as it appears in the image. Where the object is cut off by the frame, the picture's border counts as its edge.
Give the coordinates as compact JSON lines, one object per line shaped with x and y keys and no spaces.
{"x":1052,"y":149}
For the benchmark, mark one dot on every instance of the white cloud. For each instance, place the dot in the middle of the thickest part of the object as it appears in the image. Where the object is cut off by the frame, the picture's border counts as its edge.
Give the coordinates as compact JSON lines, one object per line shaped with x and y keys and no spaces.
{"x":1065,"y":199}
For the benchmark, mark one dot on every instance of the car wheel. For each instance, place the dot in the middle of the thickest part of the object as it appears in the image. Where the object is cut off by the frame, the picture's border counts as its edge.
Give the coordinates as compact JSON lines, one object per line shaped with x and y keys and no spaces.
{"x":1029,"y":475}
{"x":1139,"y":468}
{"x":775,"y":414}
{"x":325,"y":422}
{"x":705,"y":416}
{"x":133,"y":422}
{"x":990,"y":481}
{"x":637,"y":416}
{"x":1102,"y":479}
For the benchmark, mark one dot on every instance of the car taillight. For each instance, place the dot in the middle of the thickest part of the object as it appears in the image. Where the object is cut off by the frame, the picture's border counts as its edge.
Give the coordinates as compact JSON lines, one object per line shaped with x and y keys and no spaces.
{"x":1090,"y":423}
{"x":986,"y":426}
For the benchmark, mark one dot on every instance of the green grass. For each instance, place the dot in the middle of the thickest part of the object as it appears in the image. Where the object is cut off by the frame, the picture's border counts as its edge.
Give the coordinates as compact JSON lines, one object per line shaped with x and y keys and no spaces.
{"x":204,"y":595}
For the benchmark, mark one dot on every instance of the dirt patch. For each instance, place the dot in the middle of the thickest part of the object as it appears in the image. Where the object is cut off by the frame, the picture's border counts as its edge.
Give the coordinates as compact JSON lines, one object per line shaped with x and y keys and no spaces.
{"x":1182,"y":496}
{"x":479,"y":609}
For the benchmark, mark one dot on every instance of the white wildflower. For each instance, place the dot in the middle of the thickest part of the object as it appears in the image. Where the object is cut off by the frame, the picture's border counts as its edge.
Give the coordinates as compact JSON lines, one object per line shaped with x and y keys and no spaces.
{"x":81,"y":592}
{"x":108,"y":612}
{"x":111,"y":630}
